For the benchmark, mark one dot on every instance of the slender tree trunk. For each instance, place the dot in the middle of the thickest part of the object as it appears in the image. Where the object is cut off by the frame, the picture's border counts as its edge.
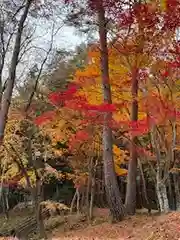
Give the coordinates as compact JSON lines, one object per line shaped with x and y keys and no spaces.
{"x":6,"y":98}
{"x":73,"y":202}
{"x":160,"y":183}
{"x":111,"y":185}
{"x":92,"y":199}
{"x":89,"y":182}
{"x":170,"y":194}
{"x":177,"y":191}
{"x":101,"y":188}
{"x":139,"y":196}
{"x":5,"y":207}
{"x":144,"y":186}
{"x":132,"y":166}
{"x":78,"y":201}
{"x":83,"y":193}
{"x":161,"y":192}
{"x":38,"y":211}
{"x":93,"y":185}
{"x":162,"y":197}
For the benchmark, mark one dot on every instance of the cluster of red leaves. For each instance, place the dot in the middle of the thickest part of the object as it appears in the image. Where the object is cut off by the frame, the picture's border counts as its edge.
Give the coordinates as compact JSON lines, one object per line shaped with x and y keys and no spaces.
{"x":171,"y":18}
{"x":143,"y":13}
{"x":78,"y":104}
{"x":125,"y":19}
{"x":150,"y":16}
{"x":45,"y":117}
{"x":159,"y":108}
{"x":78,"y":138}
{"x":135,"y":128}
{"x":57,"y":98}
{"x":139,"y":127}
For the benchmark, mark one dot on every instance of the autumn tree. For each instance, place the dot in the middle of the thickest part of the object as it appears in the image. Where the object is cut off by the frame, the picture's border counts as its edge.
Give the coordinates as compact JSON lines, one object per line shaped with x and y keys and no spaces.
{"x":25,"y":152}
{"x":98,"y":14}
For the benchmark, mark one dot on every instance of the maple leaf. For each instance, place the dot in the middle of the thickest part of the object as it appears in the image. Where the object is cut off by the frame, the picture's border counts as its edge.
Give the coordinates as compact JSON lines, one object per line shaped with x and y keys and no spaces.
{"x":139,"y":127}
{"x":57,"y":98}
{"x":45,"y":117}
{"x":79,"y":137}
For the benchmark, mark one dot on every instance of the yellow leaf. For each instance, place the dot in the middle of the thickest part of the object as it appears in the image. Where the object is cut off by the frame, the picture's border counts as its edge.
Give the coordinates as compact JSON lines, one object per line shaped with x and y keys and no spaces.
{"x":120,"y":171}
{"x":163,"y":5}
{"x":116,"y":150}
{"x":141,"y":115}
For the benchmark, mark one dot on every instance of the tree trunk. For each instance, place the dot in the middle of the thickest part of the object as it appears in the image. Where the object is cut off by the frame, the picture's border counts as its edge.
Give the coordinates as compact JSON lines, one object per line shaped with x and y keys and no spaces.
{"x":162,"y":197}
{"x":145,"y":195}
{"x":92,"y":199}
{"x":4,"y":205}
{"x":111,"y":185}
{"x":160,"y":183}
{"x":170,"y":194}
{"x":132,"y":166}
{"x":73,"y":202}
{"x":93,"y":184}
{"x":139,"y":195}
{"x":6,"y":98}
{"x":89,"y":182}
{"x":83,"y":198}
{"x":177,"y":191}
{"x":7,"y":205}
{"x":78,"y":201}
{"x":38,"y":212}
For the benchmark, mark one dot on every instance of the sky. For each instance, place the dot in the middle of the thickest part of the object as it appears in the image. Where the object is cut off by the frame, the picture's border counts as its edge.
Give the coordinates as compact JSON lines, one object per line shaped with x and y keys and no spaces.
{"x":66,"y":38}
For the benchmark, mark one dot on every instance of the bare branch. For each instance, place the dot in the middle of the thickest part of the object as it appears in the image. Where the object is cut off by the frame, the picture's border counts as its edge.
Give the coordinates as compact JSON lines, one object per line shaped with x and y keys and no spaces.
{"x":41,"y":68}
{"x":5,"y":103}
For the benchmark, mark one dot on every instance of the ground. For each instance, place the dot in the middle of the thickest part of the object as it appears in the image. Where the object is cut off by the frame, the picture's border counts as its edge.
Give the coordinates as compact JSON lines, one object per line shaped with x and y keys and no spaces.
{"x":139,"y":227}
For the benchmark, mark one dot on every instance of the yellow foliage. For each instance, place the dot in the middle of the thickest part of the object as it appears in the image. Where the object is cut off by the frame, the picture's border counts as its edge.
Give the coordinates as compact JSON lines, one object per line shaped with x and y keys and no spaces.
{"x":120,"y":171}
{"x":163,"y":5}
{"x":119,"y":157}
{"x":32,"y":179}
{"x":53,"y":206}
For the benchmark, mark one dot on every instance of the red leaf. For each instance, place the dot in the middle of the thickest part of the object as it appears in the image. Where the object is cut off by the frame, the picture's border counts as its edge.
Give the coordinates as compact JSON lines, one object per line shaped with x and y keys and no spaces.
{"x":57,"y":98}
{"x":139,"y":127}
{"x":44,"y":118}
{"x":79,"y":137}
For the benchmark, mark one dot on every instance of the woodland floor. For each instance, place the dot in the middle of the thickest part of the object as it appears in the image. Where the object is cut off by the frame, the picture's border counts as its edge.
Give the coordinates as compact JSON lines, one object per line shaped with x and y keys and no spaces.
{"x":74,"y":227}
{"x":139,"y":227}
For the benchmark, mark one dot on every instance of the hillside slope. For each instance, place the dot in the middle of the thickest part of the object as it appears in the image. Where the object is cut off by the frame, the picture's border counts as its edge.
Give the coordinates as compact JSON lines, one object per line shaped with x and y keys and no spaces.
{"x":140,"y":227}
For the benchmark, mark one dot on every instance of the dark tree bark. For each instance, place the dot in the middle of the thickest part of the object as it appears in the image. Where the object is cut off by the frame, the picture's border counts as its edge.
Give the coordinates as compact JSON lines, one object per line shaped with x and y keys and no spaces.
{"x":176,"y":179}
{"x":145,"y":195}
{"x":132,"y":167}
{"x":111,"y":185}
{"x":38,"y":209}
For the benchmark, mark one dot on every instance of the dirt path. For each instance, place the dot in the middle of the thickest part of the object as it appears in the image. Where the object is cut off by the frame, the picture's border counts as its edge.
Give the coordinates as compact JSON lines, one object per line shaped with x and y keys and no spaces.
{"x":140,"y":227}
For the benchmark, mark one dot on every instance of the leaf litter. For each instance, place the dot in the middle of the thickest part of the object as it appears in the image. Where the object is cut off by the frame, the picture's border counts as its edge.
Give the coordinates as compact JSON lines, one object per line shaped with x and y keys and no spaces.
{"x":139,"y":227}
